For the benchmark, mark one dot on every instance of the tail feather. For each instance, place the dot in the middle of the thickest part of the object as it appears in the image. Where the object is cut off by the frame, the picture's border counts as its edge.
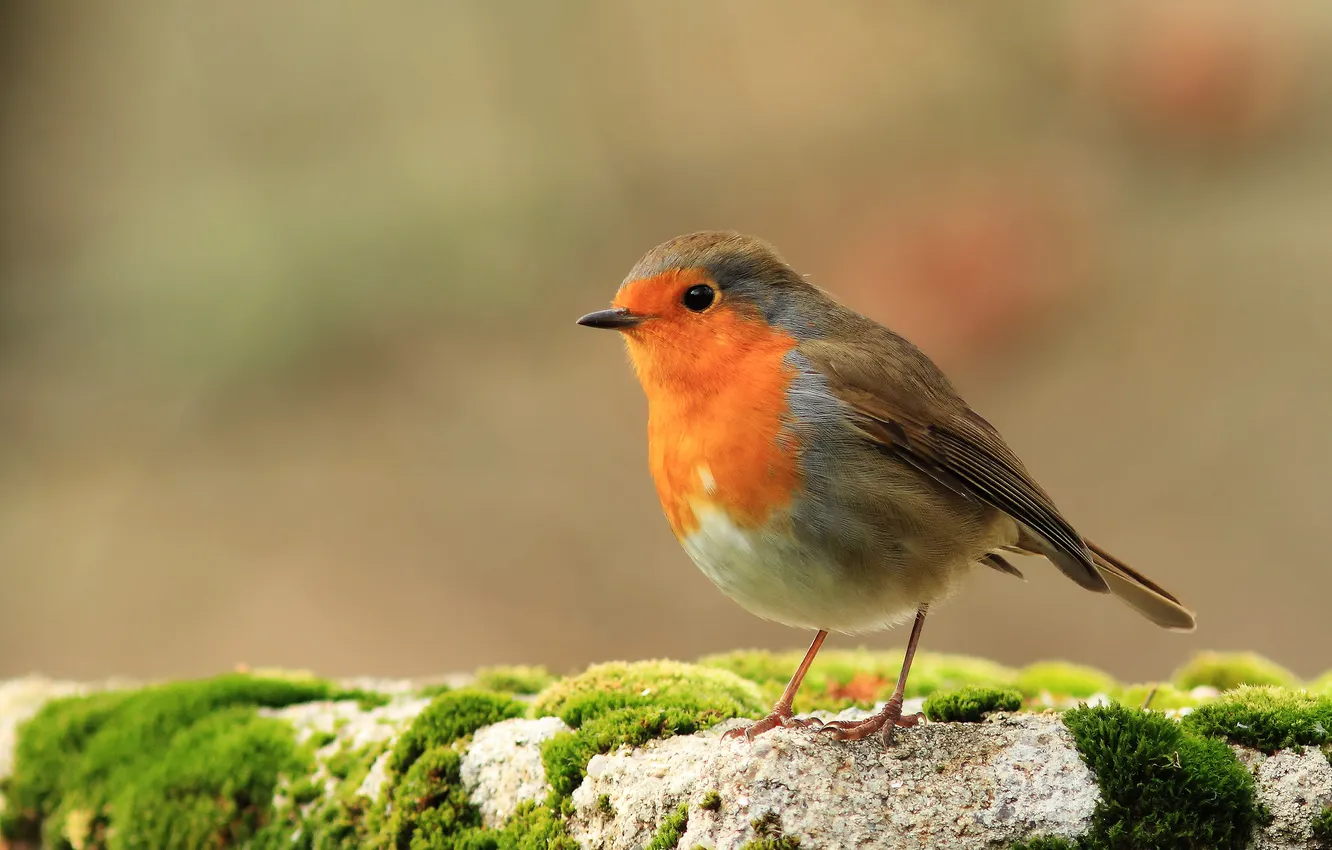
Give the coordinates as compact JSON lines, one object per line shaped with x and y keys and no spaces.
{"x":1141,"y":593}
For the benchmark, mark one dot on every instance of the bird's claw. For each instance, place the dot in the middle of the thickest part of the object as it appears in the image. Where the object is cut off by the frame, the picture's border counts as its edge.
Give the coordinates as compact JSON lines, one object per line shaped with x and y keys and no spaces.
{"x":886,"y":721}
{"x":785,"y":719}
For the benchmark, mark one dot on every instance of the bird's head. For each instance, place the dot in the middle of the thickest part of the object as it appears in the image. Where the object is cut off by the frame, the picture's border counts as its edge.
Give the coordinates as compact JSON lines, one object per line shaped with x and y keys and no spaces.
{"x":698,"y":305}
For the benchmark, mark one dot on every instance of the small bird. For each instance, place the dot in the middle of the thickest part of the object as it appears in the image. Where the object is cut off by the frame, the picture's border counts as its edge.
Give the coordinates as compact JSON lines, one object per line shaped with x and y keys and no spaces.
{"x":820,"y":469}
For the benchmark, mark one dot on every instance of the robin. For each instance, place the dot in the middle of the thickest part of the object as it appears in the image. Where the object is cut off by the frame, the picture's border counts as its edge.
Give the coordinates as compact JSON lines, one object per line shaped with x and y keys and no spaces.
{"x":819,"y":468}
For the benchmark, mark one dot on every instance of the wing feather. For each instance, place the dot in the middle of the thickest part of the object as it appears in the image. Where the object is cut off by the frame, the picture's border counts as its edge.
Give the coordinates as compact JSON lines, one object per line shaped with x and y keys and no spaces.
{"x":934,"y":431}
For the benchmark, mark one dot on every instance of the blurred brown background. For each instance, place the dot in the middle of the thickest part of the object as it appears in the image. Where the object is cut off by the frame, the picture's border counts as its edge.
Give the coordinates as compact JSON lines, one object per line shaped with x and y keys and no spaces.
{"x":288,"y":368}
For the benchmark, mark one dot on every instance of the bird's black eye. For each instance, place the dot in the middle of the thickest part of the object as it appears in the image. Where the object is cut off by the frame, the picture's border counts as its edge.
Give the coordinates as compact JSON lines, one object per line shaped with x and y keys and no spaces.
{"x":699,"y":298}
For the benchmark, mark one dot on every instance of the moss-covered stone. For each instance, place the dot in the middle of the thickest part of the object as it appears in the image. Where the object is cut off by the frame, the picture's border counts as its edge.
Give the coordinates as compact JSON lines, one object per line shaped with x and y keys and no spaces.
{"x":1227,"y":670}
{"x":672,"y":829}
{"x":565,"y":756}
{"x":427,"y":806}
{"x":1322,"y":827}
{"x":513,"y":679}
{"x":1265,"y":718}
{"x":342,"y":819}
{"x":1045,"y":842}
{"x":213,"y":786}
{"x":196,"y":763}
{"x":660,"y":684}
{"x":768,"y":835}
{"x":617,"y":704}
{"x":1160,"y":786}
{"x":450,"y":716}
{"x":532,"y":827}
{"x":97,"y":769}
{"x":970,"y":705}
{"x":1062,"y":679}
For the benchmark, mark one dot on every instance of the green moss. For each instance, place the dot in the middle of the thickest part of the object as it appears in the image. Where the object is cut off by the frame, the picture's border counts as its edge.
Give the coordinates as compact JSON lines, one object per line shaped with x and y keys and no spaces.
{"x":566,"y":755}
{"x":427,"y":804}
{"x":9,"y":823}
{"x":1161,"y":787}
{"x":450,"y":716}
{"x":630,"y":704}
{"x":1322,"y":684}
{"x":845,"y":678}
{"x":305,"y":790}
{"x":604,"y":807}
{"x":1227,"y":670}
{"x":768,"y":834}
{"x":1322,"y":828}
{"x":1265,"y":718}
{"x":342,"y":819}
{"x":1062,"y":679}
{"x":661,"y":684}
{"x":1167,"y":696}
{"x":322,"y":739}
{"x":970,"y":705}
{"x":84,"y":765}
{"x":423,"y":804}
{"x":48,"y":753}
{"x":513,"y":680}
{"x":672,"y":829}
{"x":212,"y":787}
{"x":427,"y":807}
{"x":532,"y":827}
{"x":365,"y":700}
{"x":1045,"y":842}
{"x":344,"y":762}
{"x":194,"y":764}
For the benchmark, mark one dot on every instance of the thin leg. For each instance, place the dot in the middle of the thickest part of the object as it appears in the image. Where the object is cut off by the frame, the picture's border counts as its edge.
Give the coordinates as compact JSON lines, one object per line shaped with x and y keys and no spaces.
{"x":890,"y":716}
{"x":782,"y":715}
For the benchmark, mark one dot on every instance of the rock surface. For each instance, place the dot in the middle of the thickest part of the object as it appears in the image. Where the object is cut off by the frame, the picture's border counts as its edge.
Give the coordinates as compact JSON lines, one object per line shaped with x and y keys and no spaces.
{"x":941,"y":786}
{"x":1295,"y":787}
{"x":502,"y":767}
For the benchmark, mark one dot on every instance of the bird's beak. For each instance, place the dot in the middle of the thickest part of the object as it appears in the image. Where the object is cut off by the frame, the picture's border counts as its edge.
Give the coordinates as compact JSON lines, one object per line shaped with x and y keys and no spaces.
{"x":616,"y":319}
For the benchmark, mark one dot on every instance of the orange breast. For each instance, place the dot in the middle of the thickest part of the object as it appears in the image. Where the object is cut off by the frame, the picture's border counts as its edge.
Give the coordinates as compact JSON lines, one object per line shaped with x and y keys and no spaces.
{"x":716,"y":419}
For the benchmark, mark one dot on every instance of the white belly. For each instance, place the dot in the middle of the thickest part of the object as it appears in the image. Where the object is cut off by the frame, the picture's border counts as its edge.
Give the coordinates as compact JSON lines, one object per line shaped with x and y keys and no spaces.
{"x":772,"y":576}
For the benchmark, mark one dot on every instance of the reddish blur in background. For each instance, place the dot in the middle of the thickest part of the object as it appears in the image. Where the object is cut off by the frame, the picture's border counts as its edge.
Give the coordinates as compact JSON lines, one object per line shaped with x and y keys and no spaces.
{"x":289,"y":373}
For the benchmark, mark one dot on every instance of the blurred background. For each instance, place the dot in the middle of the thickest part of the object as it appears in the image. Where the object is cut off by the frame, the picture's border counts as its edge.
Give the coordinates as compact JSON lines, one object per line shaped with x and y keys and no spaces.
{"x":288,"y":368}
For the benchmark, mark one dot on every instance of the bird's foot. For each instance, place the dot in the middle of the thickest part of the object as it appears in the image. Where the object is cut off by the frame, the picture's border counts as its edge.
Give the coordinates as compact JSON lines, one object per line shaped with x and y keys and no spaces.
{"x":888,"y":721}
{"x":781,"y":716}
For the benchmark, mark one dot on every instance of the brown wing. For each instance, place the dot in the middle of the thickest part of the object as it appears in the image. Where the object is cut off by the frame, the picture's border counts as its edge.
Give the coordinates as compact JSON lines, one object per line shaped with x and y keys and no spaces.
{"x":905,"y":407}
